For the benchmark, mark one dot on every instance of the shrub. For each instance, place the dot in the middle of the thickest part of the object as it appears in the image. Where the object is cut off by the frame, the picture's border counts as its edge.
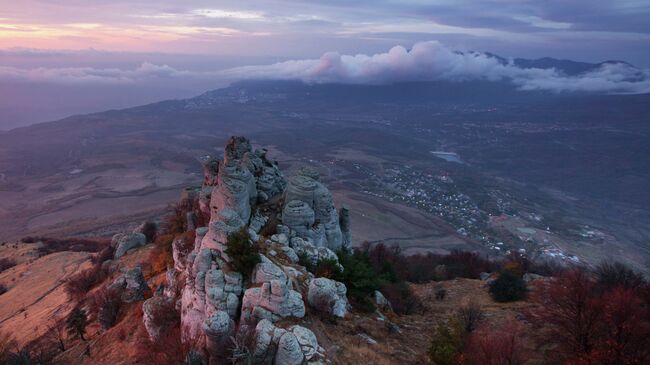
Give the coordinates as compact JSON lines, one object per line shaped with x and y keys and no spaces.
{"x":447,"y":342}
{"x":162,"y":255}
{"x":52,"y":245}
{"x":496,"y":346}
{"x":359,"y":277}
{"x":107,"y":253}
{"x":508,"y":287}
{"x":6,"y":263}
{"x":323,"y":268}
{"x":568,"y":313}
{"x":76,"y":323}
{"x":3,"y":289}
{"x":80,"y":283}
{"x":469,"y":316}
{"x":150,"y":229}
{"x":106,"y":303}
{"x":610,"y":275}
{"x":440,"y":293}
{"x":244,"y":254}
{"x":401,"y":297}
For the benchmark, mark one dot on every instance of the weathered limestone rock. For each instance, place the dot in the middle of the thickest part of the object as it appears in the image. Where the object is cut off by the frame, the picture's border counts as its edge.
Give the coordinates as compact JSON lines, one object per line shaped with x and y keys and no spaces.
{"x":289,"y":351}
{"x":315,"y":254}
{"x":309,"y":172}
{"x":295,"y":345}
{"x":273,"y":301}
{"x":266,"y":271}
{"x":127,"y":242}
{"x":232,"y":194}
{"x":381,"y":302}
{"x":132,"y":285}
{"x":211,"y":172}
{"x":328,"y":296}
{"x":306,"y":198}
{"x":225,"y":222}
{"x":158,"y":315}
{"x":218,"y":328}
{"x":298,"y":216}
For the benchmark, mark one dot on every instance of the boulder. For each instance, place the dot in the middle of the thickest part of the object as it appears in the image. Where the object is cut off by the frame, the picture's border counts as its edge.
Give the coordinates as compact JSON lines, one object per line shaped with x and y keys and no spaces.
{"x":158,"y":314}
{"x":126,"y":242}
{"x":266,"y":271}
{"x":273,"y":301}
{"x":132,"y":285}
{"x":328,"y":296}
{"x":381,"y":302}
{"x":295,"y":345}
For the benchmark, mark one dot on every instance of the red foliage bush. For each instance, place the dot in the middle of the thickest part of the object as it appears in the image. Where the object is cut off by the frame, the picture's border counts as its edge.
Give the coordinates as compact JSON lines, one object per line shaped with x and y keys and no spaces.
{"x":496,"y":346}
{"x":587,"y":326}
{"x":80,"y":283}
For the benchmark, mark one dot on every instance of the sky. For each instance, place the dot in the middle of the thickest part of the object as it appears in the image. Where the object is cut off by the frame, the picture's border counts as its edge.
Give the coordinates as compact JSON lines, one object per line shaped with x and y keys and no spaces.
{"x":60,"y":57}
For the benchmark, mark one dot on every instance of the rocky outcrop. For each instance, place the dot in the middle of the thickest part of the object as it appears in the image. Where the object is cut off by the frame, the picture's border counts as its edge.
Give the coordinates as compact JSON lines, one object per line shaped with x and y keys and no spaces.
{"x":125,"y":242}
{"x":309,"y":211}
{"x":328,"y":296}
{"x":273,"y":301}
{"x":245,"y":190}
{"x":131,"y":285}
{"x":158,"y":315}
{"x":218,"y":328}
{"x":295,"y":345}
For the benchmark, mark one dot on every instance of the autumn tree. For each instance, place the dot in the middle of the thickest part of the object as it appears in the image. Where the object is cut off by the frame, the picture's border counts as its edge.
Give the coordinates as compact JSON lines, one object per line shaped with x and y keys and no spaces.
{"x":76,"y":323}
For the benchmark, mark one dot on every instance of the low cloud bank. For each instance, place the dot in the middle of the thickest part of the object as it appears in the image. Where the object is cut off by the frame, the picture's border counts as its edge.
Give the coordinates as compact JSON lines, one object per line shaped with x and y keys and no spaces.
{"x":431,"y":61}
{"x":89,"y":75}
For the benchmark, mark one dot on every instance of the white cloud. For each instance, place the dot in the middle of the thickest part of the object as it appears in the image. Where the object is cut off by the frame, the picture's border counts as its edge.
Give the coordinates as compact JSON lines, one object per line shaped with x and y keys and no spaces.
{"x":79,"y":75}
{"x":430,"y":61}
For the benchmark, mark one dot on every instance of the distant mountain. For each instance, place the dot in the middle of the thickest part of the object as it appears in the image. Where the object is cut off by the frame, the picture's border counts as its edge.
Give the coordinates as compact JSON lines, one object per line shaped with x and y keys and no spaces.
{"x":568,"y":67}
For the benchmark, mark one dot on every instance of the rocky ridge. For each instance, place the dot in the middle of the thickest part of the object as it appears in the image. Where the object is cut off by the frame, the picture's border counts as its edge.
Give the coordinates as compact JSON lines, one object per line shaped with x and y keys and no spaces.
{"x":216,"y":303}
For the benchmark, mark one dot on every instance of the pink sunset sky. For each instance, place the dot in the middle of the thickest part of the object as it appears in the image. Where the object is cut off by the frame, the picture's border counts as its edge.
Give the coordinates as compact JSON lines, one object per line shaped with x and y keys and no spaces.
{"x":59,"y":57}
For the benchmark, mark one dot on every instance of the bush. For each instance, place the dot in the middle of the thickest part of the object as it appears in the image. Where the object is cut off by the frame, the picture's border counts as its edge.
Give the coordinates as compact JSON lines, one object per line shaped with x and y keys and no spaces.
{"x":3,"y":289}
{"x":585,"y":325}
{"x":6,"y":263}
{"x":52,"y":245}
{"x":401,"y":297}
{"x":508,"y":287}
{"x":150,"y":229}
{"x":76,"y":323}
{"x":420,"y":268}
{"x":469,"y":316}
{"x":162,"y":254}
{"x":79,"y":284}
{"x":447,"y":342}
{"x":106,"y":303}
{"x":610,"y":275}
{"x":495,"y":346}
{"x":359,"y":277}
{"x":323,"y":268}
{"x":244,"y":254}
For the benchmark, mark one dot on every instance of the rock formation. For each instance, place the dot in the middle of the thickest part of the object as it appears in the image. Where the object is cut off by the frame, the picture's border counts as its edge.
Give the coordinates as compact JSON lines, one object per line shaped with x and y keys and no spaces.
{"x":328,"y":296}
{"x":125,"y":242}
{"x":246,"y":190}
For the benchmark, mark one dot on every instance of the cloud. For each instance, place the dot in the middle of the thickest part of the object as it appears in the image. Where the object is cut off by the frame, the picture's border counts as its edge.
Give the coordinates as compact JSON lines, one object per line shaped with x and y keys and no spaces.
{"x":431,"y":61}
{"x":90,"y":75}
